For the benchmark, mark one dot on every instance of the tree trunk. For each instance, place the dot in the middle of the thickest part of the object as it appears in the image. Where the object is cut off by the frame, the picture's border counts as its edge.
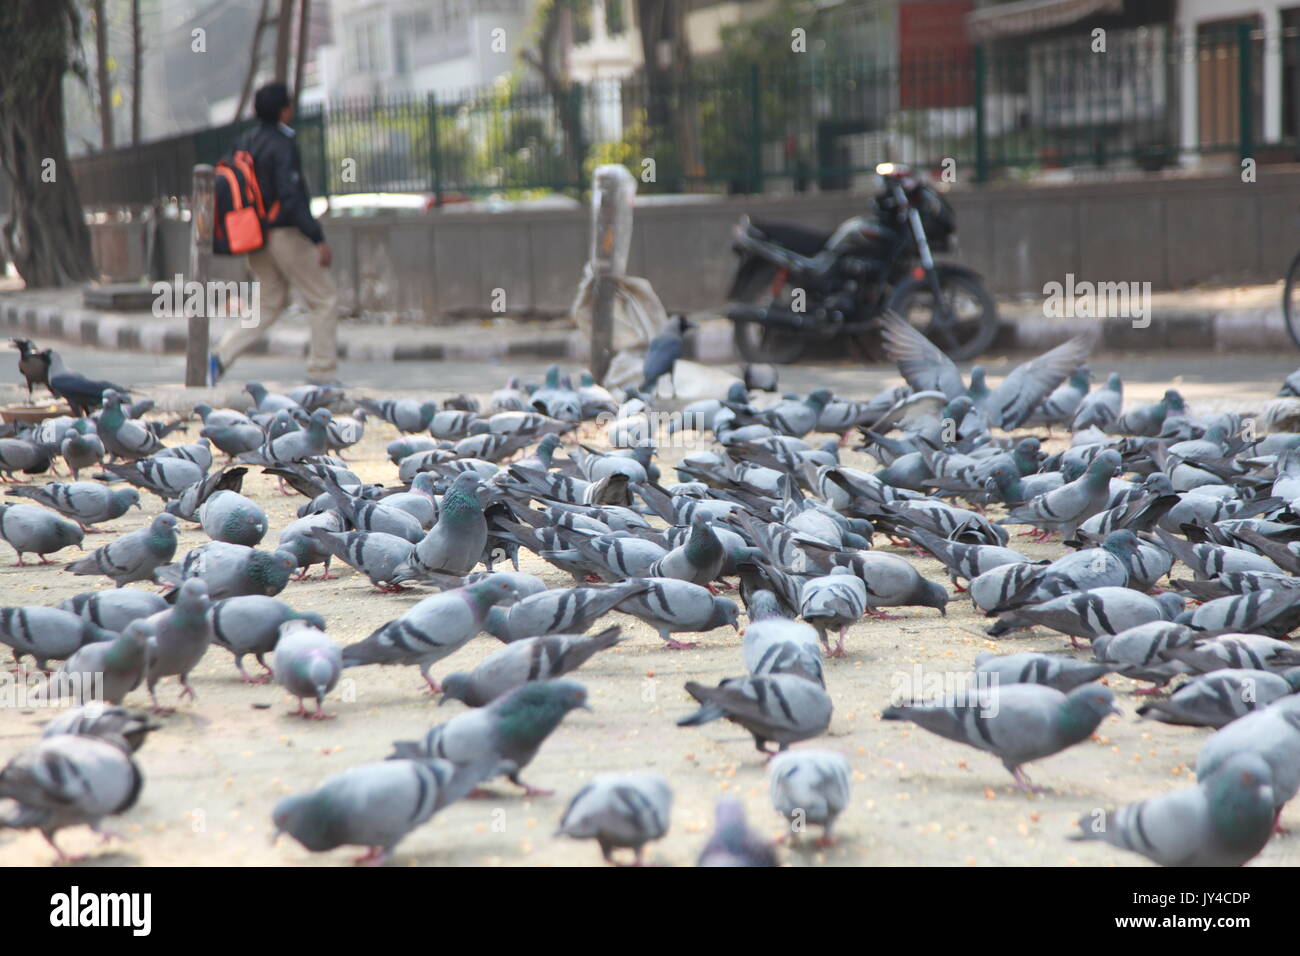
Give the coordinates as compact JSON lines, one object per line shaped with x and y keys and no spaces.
{"x":254,"y":58}
{"x":554,"y":72}
{"x":46,"y":232}
{"x":300,"y":64}
{"x":101,"y":77}
{"x":136,"y":52}
{"x":283,"y":36}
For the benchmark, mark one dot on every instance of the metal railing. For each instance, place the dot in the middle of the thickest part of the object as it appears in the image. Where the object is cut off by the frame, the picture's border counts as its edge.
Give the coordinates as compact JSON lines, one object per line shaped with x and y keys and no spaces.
{"x":981,"y":113}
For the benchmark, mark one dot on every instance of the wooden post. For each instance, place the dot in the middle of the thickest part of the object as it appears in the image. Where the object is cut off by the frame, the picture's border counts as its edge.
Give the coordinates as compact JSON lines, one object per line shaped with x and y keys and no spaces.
{"x":612,"y":193}
{"x":201,"y":213}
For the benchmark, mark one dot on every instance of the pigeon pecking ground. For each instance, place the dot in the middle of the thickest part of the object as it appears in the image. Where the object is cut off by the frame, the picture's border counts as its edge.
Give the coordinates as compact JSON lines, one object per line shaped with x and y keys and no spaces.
{"x":220,"y":763}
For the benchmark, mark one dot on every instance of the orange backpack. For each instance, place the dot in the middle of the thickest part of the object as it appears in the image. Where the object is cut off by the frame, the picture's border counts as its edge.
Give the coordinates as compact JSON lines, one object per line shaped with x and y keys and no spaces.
{"x":241,"y":217}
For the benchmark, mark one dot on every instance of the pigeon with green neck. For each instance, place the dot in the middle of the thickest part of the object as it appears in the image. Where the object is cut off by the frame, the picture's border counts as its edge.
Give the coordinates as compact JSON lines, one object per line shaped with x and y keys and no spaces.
{"x":124,"y":438}
{"x":1224,"y":821}
{"x":133,"y":557}
{"x":455,"y":544}
{"x":502,"y":738}
{"x":1065,"y":508}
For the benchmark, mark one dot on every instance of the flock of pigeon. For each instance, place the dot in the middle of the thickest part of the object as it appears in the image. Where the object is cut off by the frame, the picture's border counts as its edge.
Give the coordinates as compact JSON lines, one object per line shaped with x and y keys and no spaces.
{"x":809,"y":547}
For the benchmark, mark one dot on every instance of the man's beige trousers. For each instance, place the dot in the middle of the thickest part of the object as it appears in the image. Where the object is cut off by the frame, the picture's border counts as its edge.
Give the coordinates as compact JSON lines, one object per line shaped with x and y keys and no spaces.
{"x":290,"y":259}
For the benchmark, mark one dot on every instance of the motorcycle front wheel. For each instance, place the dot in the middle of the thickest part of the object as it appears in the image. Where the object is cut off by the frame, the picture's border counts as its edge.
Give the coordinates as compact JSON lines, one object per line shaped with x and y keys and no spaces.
{"x":971,"y":320}
{"x":758,"y":343}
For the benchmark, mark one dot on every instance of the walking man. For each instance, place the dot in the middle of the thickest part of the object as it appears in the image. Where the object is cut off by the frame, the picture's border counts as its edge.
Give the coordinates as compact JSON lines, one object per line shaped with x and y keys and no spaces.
{"x":295,"y":253}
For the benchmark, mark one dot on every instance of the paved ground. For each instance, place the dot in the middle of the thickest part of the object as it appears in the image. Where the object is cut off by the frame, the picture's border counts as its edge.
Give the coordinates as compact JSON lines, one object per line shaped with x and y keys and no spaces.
{"x":220,"y":764}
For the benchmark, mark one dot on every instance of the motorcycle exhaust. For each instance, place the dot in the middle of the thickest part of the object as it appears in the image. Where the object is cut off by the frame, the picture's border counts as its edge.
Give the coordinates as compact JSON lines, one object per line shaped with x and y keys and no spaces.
{"x":770,"y":315}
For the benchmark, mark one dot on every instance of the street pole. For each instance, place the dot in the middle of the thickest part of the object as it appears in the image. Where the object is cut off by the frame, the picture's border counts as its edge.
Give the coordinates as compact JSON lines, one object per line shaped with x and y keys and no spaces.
{"x":612,"y":193}
{"x":201,"y":213}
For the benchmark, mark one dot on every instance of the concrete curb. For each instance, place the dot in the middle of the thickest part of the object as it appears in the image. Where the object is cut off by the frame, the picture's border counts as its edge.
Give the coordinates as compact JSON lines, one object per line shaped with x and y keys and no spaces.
{"x":1023,"y":330}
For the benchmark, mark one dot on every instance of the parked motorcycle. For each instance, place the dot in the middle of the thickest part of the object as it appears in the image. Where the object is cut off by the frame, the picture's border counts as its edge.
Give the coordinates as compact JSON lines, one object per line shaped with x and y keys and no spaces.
{"x":794,"y":285}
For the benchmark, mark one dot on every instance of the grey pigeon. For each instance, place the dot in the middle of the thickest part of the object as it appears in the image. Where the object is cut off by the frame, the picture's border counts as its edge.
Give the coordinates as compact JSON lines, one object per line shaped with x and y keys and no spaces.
{"x":833,"y":601}
{"x":619,"y":810}
{"x":1025,"y":388}
{"x":1070,"y":505}
{"x":199,"y":452}
{"x":405,"y":415}
{"x":1272,"y":733}
{"x":114,"y":610}
{"x":775,"y":644}
{"x":503,"y":737}
{"x":231,"y":570}
{"x":307,"y":664}
{"x":455,"y":544}
{"x":32,"y":530}
{"x":698,"y":559}
{"x":366,"y":515}
{"x":86,"y":502}
{"x":189,"y":503}
{"x":1143,"y":652}
{"x":672,"y":607}
{"x":1018,"y":723}
{"x":1271,"y":612}
{"x":1222,"y":821}
{"x":96,"y":720}
{"x":46,"y":633}
{"x":1099,"y":408}
{"x":312,"y":397}
{"x":81,"y":448}
{"x":1051,"y":670}
{"x":299,"y":539}
{"x":964,"y":562}
{"x":123,"y":437}
{"x":558,"y":611}
{"x":1089,"y":614}
{"x":374,"y":805}
{"x":922,"y":364}
{"x":135,"y":556}
{"x":782,"y":708}
{"x":230,"y":517}
{"x":234,"y":437}
{"x":1062,"y":405}
{"x":181,"y":636}
{"x":435,"y":628}
{"x":530,"y":659}
{"x":375,"y":554}
{"x":810,"y":786}
{"x":1218,"y":698}
{"x":250,"y":624}
{"x":165,"y":477}
{"x":1256,"y":651}
{"x":264,"y":401}
{"x":68,"y":780}
{"x":109,"y":669}
{"x":295,"y":446}
{"x":893,"y":582}
{"x":419,"y":502}
{"x":733,"y":843}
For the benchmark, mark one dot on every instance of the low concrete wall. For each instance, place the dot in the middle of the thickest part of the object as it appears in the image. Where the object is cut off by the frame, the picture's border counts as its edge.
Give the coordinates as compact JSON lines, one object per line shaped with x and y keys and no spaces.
{"x":1170,"y":232}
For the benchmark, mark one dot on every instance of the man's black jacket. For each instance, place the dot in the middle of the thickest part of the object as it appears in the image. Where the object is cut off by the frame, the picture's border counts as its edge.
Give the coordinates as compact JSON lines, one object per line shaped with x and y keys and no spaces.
{"x":279,"y":172}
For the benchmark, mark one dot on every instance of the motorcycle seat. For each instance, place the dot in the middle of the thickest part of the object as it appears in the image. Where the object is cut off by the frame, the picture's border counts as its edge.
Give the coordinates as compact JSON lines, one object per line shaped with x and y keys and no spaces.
{"x":798,"y":239}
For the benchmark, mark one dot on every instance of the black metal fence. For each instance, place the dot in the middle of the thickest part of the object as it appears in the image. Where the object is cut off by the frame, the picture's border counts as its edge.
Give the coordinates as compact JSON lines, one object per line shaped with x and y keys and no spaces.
{"x":978,"y":113}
